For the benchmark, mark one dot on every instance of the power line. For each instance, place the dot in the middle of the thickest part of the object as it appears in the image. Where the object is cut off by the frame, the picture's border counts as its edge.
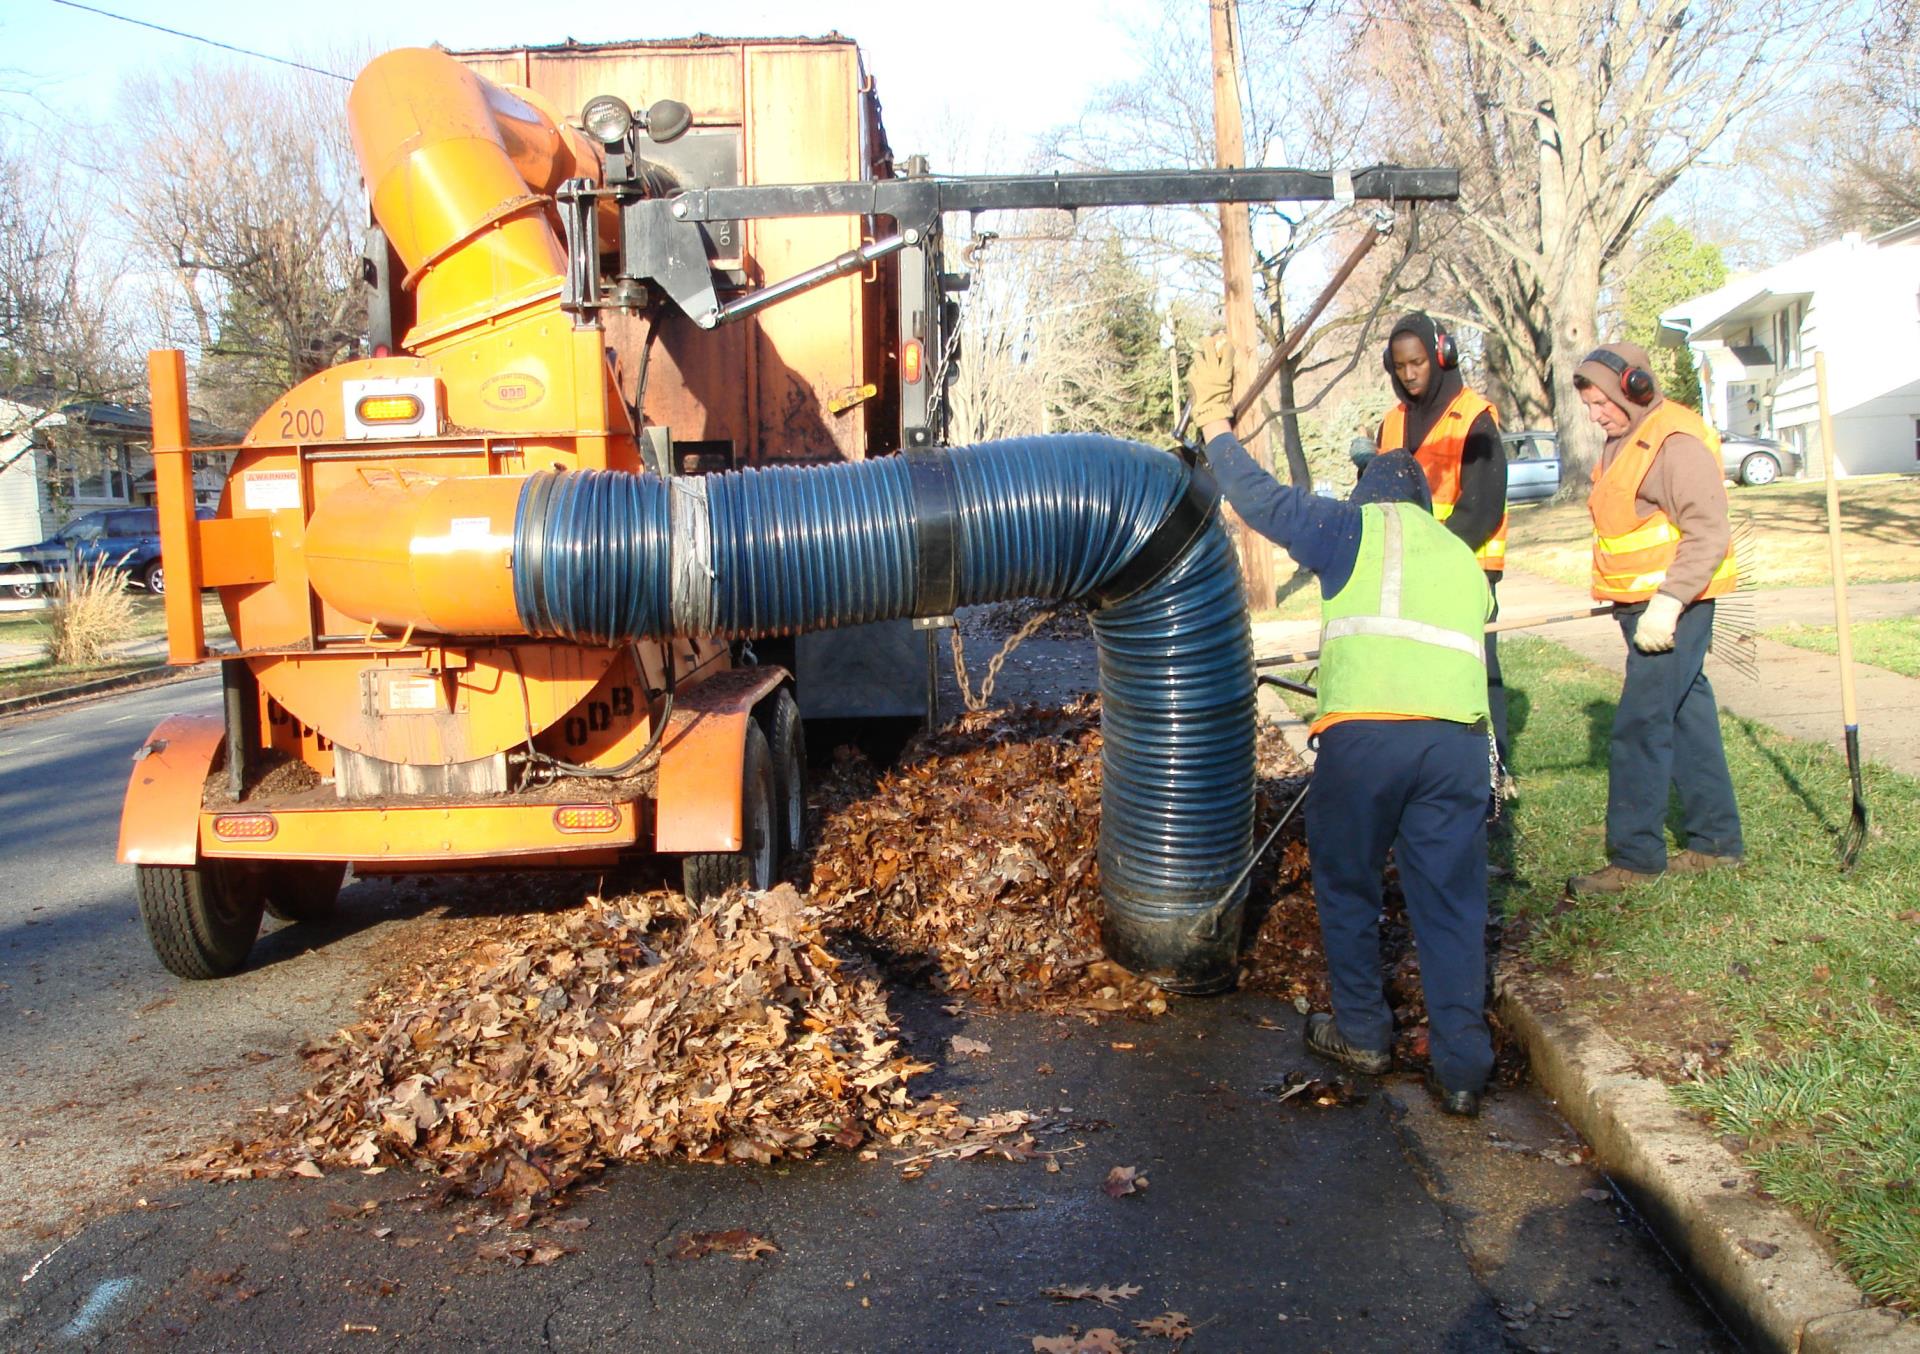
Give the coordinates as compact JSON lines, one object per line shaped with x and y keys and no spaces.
{"x":195,"y":37}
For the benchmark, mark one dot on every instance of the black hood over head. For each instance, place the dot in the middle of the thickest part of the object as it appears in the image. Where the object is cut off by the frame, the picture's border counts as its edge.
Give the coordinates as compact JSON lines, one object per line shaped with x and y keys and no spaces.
{"x":1394,"y":477}
{"x":1424,"y":412}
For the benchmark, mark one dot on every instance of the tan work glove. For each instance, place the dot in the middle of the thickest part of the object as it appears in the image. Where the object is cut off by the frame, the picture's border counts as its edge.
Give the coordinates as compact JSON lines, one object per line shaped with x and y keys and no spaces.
{"x":1654,"y":634}
{"x":1210,"y":382}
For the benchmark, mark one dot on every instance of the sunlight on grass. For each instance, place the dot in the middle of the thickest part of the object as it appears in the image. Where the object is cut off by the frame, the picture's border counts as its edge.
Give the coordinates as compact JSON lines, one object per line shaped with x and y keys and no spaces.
{"x":1811,"y":977}
{"x":1879,"y":519}
{"x":1890,"y":644}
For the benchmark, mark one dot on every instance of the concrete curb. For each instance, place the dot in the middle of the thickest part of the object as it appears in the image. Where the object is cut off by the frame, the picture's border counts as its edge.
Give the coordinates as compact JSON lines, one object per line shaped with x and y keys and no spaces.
{"x":1676,"y":1173}
{"x":159,"y":675}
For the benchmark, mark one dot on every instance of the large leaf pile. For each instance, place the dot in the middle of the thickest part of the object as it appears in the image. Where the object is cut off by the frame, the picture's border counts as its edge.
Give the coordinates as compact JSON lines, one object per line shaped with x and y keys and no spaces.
{"x":624,"y":1029}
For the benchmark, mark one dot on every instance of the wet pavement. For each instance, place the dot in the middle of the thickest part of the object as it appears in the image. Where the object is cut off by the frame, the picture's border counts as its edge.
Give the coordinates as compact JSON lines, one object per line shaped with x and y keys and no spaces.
{"x":1268,"y":1223}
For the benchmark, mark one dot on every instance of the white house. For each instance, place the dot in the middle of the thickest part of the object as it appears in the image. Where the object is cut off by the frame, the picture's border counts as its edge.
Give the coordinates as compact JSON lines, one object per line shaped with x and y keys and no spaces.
{"x":104,"y":463}
{"x":1858,"y":301}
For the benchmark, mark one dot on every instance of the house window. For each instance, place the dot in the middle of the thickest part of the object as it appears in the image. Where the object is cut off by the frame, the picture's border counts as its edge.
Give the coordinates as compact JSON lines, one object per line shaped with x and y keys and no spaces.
{"x":98,"y":474}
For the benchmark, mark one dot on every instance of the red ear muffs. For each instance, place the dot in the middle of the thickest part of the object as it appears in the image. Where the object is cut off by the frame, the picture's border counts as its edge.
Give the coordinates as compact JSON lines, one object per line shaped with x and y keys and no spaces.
{"x":1636,"y":383}
{"x":1446,"y":353}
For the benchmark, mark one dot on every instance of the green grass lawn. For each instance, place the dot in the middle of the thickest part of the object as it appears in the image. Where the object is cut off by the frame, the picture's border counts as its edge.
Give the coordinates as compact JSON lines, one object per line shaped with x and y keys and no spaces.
{"x":1890,"y":644}
{"x":1795,"y":988}
{"x":1879,"y":521}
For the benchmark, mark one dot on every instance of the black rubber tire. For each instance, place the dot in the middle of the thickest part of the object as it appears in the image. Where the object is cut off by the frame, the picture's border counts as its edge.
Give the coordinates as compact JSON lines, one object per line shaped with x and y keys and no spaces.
{"x":154,"y":579}
{"x":24,"y":592}
{"x":200,"y":922}
{"x":1769,"y":469}
{"x":303,"y":890}
{"x":708,"y":874}
{"x":788,"y":739}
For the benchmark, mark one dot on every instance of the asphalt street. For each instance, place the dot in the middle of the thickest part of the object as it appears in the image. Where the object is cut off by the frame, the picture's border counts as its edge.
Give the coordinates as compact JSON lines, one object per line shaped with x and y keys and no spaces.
{"x":1268,"y":1223}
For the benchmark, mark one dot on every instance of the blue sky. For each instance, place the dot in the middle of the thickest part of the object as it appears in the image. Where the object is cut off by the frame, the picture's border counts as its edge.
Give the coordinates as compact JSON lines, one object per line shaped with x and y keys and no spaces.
{"x":938,"y":67}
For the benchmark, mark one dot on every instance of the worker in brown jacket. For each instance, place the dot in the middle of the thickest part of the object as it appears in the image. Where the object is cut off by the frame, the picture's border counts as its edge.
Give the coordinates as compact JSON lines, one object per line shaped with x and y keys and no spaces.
{"x":1662,"y":553}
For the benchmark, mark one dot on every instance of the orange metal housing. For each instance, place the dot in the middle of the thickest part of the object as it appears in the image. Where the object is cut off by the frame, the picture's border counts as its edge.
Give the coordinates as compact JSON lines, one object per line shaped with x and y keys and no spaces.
{"x":367,"y":581}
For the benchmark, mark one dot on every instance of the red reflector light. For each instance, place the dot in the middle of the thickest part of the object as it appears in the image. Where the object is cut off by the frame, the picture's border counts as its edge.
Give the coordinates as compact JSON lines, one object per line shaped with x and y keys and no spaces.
{"x":586,"y":817}
{"x":910,"y":362}
{"x":245,"y":827}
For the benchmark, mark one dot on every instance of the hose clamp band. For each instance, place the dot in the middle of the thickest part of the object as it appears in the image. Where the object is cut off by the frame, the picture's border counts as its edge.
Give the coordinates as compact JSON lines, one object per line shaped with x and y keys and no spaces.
{"x":693,"y":607}
{"x":936,"y":523}
{"x":1189,"y":516}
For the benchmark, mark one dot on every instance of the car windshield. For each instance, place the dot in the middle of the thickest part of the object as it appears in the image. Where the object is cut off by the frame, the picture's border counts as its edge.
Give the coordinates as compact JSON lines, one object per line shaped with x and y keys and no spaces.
{"x":81,"y":528}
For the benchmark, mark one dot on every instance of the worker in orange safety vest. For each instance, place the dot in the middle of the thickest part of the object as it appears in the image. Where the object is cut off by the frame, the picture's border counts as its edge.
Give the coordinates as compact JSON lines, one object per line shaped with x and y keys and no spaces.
{"x":1454,"y":434}
{"x":1662,"y":552}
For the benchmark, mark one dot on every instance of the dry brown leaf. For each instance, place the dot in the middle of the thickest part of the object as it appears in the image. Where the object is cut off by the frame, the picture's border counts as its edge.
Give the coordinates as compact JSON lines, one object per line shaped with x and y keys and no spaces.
{"x":975,"y":1047}
{"x":735,"y":1241}
{"x":1124,"y":1180}
{"x":1099,"y":1340}
{"x":1168,"y":1326}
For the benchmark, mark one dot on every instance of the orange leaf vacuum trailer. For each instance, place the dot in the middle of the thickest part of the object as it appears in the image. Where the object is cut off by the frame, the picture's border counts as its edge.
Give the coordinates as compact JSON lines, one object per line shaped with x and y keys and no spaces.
{"x":648,"y":460}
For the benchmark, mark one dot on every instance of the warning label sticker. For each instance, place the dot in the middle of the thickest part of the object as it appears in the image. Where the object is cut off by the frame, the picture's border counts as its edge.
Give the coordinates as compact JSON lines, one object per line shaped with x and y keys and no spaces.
{"x":413,"y":693}
{"x":270,"y":490}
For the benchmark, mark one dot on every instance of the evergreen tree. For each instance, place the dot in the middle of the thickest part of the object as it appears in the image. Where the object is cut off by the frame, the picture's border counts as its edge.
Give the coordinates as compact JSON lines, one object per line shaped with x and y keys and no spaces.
{"x":1672,"y":266}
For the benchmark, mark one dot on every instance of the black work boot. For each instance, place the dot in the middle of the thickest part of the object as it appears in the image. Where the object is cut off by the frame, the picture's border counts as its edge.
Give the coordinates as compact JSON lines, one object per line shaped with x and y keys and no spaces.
{"x":1324,"y":1038}
{"x":1466,"y":1104}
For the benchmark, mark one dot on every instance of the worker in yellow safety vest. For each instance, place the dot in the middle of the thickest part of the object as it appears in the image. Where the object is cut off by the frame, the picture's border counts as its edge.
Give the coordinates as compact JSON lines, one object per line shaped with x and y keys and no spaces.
{"x":1454,"y":434}
{"x":1662,"y":552}
{"x":1402,"y":738}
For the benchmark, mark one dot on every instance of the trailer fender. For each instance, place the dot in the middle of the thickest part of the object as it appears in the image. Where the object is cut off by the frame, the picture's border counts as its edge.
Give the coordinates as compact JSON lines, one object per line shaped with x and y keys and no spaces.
{"x":160,"y":822}
{"x":697,"y":799}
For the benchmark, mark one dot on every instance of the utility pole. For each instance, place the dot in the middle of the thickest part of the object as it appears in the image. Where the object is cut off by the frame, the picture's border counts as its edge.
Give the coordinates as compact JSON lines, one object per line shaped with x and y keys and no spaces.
{"x":1236,"y":262}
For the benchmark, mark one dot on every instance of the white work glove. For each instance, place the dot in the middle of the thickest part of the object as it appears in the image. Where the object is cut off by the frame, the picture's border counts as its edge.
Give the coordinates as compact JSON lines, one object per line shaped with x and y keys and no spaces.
{"x":1210,"y":382}
{"x":1654,"y":634}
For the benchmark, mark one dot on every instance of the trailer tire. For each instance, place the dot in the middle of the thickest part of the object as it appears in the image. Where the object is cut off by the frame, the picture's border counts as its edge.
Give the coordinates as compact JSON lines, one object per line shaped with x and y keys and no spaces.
{"x":708,"y":874}
{"x":302,"y":890}
{"x":200,"y":921}
{"x":789,"y":739}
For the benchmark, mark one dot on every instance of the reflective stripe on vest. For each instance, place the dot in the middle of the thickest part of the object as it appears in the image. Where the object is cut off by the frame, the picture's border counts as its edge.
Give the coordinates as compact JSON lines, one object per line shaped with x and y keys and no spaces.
{"x":1440,"y":453}
{"x":1631,"y":553}
{"x":1404,"y":637}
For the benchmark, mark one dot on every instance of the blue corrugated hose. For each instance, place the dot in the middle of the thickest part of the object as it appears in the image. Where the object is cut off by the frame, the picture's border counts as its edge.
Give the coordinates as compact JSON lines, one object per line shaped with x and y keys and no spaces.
{"x":789,"y":549}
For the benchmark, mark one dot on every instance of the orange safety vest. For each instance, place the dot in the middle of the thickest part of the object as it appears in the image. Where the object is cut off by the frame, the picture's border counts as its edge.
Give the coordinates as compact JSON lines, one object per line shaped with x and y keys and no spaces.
{"x":1439,"y":455}
{"x":1631,"y":553}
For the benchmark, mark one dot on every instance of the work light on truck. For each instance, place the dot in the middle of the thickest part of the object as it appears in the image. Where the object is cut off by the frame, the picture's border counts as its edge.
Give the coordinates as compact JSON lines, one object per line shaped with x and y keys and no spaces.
{"x":607,"y":119}
{"x":910,"y":362}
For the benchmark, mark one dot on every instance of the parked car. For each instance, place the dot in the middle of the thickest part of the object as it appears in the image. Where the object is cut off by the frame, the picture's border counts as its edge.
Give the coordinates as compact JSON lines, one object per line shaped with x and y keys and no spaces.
{"x":127,"y":538}
{"x":1533,"y":462}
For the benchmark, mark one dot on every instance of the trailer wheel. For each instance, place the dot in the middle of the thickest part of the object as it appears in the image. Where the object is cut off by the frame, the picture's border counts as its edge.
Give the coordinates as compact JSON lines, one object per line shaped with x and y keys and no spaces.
{"x":708,"y":874}
{"x":302,"y":890}
{"x":200,"y":919}
{"x":789,"y":741}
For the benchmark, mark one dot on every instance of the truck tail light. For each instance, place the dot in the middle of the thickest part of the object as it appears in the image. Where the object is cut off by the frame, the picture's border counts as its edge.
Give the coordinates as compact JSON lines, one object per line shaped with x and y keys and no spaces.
{"x":910,"y":358}
{"x":388,"y":408}
{"x":586,"y":817}
{"x":245,"y":827}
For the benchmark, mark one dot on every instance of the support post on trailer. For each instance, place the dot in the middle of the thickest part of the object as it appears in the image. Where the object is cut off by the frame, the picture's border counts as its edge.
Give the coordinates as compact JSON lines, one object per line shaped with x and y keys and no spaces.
{"x":173,"y":493}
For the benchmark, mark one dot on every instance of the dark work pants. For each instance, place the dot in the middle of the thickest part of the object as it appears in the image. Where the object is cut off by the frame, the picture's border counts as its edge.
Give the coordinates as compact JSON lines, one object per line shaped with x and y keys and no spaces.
{"x":1666,"y":732}
{"x":1420,"y":787}
{"x":1496,"y":686}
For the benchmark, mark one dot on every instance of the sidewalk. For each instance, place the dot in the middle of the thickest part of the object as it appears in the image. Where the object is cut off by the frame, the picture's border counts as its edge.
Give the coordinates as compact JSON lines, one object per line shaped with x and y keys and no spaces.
{"x":1798,"y":691}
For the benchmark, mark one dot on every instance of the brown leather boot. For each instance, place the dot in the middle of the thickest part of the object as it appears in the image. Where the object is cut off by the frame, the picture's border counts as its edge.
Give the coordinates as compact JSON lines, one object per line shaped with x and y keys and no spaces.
{"x":1612,"y":879}
{"x":1691,"y":861}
